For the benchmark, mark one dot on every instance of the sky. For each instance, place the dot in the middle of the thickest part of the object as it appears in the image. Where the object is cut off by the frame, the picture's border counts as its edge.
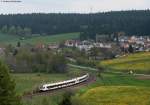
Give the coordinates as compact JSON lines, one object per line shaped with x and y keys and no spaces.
{"x":71,"y":6}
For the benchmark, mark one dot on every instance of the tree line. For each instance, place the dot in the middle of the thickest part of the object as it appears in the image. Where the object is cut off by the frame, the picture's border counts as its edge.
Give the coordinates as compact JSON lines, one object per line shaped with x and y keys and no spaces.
{"x":135,"y":22}
{"x":16,"y":30}
{"x":29,"y":60}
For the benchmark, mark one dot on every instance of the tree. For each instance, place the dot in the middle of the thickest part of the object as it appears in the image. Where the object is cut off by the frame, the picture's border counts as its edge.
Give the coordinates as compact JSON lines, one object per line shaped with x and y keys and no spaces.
{"x":83,"y":36}
{"x":4,"y":29}
{"x":19,"y":31}
{"x":12,"y":30}
{"x":94,"y":52}
{"x":27,"y":31}
{"x":7,"y":88}
{"x":130,"y":49}
{"x":18,"y":44}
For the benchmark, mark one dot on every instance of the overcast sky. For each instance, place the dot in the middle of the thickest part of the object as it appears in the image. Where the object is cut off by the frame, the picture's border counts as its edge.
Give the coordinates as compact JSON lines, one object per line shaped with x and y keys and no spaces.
{"x":78,"y":6}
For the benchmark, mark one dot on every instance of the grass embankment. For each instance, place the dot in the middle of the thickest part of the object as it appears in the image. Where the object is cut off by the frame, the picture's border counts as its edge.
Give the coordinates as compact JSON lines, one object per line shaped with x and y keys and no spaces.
{"x":139,"y":63}
{"x":116,"y":95}
{"x":115,"y":89}
{"x":13,"y":39}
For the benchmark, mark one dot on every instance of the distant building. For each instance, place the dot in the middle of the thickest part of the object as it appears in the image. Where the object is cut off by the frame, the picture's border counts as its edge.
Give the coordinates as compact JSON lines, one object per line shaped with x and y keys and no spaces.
{"x":72,"y":43}
{"x":102,"y":45}
{"x":53,"y":46}
{"x":40,"y":46}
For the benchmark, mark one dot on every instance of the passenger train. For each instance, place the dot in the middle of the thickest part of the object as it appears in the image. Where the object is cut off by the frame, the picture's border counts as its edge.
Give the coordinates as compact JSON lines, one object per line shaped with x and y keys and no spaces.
{"x":67,"y":83}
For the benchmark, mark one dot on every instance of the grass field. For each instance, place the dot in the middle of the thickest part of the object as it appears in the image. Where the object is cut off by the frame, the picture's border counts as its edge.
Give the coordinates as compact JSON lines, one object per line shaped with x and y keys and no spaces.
{"x":126,"y":84}
{"x":45,"y":100}
{"x":11,"y":39}
{"x":139,"y":63}
{"x":28,"y":82}
{"x":5,"y":38}
{"x":116,"y":95}
{"x":114,"y":79}
{"x":115,"y":89}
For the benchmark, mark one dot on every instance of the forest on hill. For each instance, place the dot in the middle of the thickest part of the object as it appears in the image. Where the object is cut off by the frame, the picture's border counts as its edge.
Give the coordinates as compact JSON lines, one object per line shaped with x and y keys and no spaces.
{"x":136,"y":22}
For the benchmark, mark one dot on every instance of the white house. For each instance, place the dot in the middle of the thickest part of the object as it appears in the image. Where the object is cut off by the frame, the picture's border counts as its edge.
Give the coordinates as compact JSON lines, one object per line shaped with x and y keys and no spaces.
{"x":102,"y":45}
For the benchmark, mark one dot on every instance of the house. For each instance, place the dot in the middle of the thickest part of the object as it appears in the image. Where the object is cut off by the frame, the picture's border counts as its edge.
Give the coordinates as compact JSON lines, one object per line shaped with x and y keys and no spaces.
{"x":72,"y":43}
{"x":85,"y":45}
{"x":40,"y":46}
{"x":53,"y":46}
{"x":102,"y":45}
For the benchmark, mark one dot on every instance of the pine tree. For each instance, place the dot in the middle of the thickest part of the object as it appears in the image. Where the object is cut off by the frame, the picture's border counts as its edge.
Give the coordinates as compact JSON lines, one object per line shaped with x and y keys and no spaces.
{"x":19,"y":31}
{"x":4,"y":29}
{"x":131,"y":50}
{"x":27,"y":31}
{"x":7,"y":88}
{"x":12,"y":30}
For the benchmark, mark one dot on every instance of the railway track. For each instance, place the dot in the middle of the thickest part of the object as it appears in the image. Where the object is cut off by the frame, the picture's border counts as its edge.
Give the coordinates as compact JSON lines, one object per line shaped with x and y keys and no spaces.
{"x":30,"y":95}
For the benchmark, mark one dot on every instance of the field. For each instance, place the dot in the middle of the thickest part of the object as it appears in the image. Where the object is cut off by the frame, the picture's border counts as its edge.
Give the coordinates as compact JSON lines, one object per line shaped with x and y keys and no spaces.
{"x":5,"y":38}
{"x":139,"y":63}
{"x":28,"y":82}
{"x":115,"y":89}
{"x":53,"y":99}
{"x":116,"y":95}
{"x":11,"y":39}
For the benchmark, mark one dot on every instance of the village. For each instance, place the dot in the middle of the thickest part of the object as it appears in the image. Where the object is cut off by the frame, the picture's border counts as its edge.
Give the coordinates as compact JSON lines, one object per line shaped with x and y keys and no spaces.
{"x":120,"y":46}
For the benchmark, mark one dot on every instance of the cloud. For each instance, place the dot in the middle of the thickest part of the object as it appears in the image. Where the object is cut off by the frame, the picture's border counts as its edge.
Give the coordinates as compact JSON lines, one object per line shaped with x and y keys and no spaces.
{"x":29,"y":6}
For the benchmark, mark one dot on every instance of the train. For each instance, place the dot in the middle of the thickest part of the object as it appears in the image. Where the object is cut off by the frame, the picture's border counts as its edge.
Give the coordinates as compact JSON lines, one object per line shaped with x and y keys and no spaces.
{"x":63,"y":84}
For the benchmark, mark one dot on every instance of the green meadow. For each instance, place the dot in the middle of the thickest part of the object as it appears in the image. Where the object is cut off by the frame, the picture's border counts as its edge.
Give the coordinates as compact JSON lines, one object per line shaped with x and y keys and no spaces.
{"x":29,"y":82}
{"x":109,"y":89}
{"x":139,"y":63}
{"x":115,"y":95}
{"x":114,"y":89}
{"x":12,"y":39}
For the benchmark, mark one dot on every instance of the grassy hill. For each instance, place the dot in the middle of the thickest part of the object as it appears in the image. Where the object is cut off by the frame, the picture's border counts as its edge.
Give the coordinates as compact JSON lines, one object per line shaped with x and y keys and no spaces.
{"x":27,"y":82}
{"x":139,"y":62}
{"x":5,"y":38}
{"x":116,"y":95}
{"x":114,"y":89}
{"x":12,"y":39}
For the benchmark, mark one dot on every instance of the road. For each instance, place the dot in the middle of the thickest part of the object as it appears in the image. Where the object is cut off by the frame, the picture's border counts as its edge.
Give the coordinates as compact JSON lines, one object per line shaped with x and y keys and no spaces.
{"x":94,"y":69}
{"x":83,"y":67}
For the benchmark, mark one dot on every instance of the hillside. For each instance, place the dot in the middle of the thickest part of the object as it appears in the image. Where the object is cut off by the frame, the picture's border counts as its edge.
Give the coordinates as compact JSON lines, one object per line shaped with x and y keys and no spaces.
{"x":139,"y":63}
{"x":115,"y":95}
{"x":11,"y":39}
{"x":131,"y":22}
